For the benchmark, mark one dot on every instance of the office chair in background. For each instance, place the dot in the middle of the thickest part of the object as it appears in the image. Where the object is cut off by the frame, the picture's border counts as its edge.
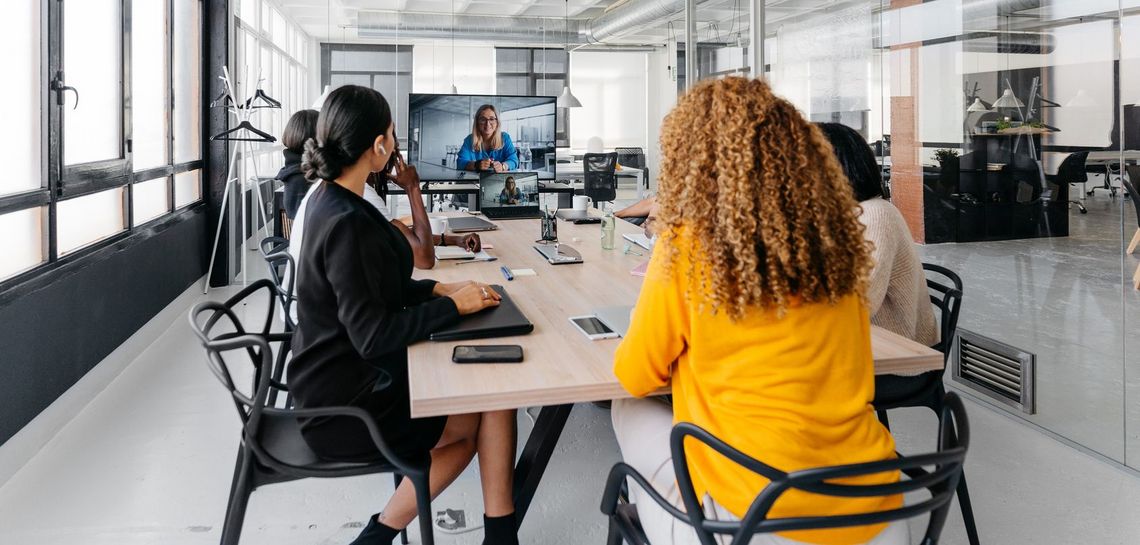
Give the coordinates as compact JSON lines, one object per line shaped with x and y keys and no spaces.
{"x":1072,"y":171}
{"x":599,"y":178}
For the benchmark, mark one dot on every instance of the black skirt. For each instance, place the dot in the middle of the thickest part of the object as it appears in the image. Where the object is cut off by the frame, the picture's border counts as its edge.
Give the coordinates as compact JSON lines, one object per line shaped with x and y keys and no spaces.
{"x":346,"y":439}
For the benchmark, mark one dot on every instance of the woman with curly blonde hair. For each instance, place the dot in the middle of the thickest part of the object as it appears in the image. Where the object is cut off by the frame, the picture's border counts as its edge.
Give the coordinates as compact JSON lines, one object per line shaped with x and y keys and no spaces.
{"x":753,"y":309}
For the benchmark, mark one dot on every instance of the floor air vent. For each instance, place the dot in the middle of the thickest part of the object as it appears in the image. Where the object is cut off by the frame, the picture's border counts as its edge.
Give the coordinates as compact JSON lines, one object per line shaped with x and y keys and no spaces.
{"x":995,"y":369}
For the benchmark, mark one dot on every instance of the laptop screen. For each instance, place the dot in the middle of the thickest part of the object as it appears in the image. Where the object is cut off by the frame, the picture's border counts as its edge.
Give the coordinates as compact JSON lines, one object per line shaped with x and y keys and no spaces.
{"x":503,"y":189}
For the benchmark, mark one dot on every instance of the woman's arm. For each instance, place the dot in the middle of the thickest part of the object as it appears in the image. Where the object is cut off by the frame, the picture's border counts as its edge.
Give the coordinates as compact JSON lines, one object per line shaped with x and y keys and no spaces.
{"x":512,"y":154}
{"x":639,"y":209}
{"x":877,"y":231}
{"x":466,"y":159}
{"x":358,"y":271}
{"x":419,"y":236}
{"x":658,"y":327}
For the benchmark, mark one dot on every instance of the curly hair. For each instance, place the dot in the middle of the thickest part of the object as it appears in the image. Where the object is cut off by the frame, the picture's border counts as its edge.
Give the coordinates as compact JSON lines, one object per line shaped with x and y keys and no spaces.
{"x":741,"y":168}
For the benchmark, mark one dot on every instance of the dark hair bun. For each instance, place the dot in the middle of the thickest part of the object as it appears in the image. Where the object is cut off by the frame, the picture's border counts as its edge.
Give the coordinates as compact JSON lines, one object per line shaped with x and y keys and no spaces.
{"x":321,"y":163}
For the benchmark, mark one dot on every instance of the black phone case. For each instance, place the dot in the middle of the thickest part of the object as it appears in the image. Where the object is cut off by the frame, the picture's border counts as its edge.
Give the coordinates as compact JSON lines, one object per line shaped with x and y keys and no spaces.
{"x":515,"y":356}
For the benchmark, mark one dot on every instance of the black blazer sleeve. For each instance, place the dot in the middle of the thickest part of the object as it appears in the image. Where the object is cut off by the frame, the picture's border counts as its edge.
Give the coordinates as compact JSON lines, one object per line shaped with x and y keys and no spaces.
{"x":420,"y":290}
{"x":358,"y":269}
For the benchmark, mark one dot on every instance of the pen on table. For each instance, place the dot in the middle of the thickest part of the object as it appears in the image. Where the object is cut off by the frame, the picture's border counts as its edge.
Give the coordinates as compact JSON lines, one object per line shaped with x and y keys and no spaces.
{"x":507,"y":273}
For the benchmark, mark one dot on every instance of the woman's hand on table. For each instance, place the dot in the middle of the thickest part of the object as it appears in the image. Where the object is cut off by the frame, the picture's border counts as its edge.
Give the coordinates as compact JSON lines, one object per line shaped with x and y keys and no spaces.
{"x":474,"y":297}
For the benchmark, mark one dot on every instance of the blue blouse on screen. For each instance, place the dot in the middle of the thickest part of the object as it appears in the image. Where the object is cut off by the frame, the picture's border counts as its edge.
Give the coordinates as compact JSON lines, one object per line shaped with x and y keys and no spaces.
{"x":506,"y":154}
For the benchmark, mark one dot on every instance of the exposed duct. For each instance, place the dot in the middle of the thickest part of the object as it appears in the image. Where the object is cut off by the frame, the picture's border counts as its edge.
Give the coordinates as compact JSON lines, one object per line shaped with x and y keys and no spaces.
{"x":388,"y":24}
{"x":625,"y":19}
{"x":973,"y":10}
{"x":1017,"y":43}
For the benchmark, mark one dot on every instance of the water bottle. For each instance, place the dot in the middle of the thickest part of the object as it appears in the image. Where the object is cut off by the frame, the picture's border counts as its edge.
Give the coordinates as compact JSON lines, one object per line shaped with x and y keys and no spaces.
{"x":608,"y":226}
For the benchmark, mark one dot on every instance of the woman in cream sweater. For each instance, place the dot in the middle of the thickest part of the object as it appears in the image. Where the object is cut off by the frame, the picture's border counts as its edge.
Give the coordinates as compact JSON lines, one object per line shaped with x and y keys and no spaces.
{"x":896,"y":293}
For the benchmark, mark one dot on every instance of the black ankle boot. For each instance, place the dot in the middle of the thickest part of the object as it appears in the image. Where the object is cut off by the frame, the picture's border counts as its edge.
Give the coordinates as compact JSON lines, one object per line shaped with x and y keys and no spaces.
{"x":375,"y":533}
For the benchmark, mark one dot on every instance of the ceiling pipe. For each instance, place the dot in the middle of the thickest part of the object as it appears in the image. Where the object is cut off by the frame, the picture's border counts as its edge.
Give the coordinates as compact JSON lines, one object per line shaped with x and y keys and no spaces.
{"x":623,"y":20}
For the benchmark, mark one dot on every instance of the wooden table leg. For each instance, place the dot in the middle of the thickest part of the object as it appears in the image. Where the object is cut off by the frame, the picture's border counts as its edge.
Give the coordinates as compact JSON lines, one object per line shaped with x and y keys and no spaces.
{"x":536,"y":455}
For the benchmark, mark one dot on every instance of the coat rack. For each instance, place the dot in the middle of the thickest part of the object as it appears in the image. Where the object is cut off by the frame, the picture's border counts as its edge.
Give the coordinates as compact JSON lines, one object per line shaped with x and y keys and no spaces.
{"x":246,"y":133}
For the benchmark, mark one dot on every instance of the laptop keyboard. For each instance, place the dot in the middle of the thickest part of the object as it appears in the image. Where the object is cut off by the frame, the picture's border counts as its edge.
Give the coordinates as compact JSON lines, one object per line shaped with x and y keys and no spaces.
{"x":510,"y":212}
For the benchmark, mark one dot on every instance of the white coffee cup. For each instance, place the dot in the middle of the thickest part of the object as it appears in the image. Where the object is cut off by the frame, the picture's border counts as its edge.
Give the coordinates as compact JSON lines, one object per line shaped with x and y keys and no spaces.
{"x":581,"y":202}
{"x":438,"y":225}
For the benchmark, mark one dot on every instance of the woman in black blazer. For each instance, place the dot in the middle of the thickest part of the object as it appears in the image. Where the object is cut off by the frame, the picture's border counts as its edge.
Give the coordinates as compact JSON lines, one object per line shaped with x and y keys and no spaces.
{"x":301,"y":127}
{"x":360,"y":309}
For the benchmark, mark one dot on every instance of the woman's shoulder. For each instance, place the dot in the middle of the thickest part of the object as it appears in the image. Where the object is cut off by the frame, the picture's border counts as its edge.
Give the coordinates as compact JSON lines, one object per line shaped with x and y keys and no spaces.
{"x":466,"y":141}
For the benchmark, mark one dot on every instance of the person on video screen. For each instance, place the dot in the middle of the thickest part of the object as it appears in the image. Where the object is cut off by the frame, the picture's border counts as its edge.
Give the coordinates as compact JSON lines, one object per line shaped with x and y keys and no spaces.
{"x":510,"y":193}
{"x":487,"y":147}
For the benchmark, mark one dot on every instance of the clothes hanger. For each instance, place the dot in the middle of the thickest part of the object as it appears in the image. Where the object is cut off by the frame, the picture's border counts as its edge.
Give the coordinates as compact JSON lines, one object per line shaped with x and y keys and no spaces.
{"x":244,"y":125}
{"x":269,"y":102}
{"x":224,"y":100}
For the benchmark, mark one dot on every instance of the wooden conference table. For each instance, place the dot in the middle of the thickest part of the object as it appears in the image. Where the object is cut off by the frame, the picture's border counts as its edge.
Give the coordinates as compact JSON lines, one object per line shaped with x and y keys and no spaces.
{"x":561,"y":366}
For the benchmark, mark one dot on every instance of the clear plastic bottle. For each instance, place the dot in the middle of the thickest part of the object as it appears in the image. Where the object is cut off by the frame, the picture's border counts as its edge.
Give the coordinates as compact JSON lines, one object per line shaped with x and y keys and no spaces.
{"x":608,"y":226}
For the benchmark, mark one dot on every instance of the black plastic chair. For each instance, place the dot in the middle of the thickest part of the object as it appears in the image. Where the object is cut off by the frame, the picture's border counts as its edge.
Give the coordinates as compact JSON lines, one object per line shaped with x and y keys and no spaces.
{"x":272,"y":449}
{"x":940,"y":482}
{"x":1072,"y":171}
{"x":927,"y":389}
{"x":599,"y":178}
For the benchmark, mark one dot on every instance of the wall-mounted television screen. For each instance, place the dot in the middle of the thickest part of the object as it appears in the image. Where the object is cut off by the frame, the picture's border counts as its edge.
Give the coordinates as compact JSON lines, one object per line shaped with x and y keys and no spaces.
{"x":441,"y":131}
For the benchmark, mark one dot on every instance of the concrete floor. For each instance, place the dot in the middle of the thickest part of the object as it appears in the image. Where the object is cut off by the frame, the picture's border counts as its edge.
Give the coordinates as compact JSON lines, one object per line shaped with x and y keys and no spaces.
{"x":149,"y":461}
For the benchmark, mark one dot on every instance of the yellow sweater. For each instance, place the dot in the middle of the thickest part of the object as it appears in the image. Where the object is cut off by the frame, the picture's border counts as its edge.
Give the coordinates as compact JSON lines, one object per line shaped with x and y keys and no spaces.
{"x":794,"y":393}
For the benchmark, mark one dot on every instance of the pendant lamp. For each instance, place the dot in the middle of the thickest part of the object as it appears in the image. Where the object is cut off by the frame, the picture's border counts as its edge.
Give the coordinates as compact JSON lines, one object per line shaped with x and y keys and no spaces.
{"x":567,"y":99}
{"x":1008,"y":100}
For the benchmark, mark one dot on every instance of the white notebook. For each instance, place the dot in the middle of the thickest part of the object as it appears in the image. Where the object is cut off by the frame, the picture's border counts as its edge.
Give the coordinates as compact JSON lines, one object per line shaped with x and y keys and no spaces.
{"x":640,"y":240}
{"x":453,"y":252}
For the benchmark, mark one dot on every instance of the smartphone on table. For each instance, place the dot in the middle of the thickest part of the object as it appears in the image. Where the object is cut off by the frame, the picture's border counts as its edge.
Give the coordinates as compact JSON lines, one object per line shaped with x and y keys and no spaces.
{"x":487,"y":353}
{"x":593,"y":328}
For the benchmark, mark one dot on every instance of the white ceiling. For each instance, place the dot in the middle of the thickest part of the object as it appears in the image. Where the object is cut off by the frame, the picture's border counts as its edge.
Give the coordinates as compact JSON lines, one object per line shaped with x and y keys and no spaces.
{"x":335,"y":20}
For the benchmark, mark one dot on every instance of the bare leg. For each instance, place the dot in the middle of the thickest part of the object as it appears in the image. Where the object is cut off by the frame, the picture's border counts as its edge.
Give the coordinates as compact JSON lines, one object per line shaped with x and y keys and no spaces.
{"x":496,"y":447}
{"x":449,"y":458}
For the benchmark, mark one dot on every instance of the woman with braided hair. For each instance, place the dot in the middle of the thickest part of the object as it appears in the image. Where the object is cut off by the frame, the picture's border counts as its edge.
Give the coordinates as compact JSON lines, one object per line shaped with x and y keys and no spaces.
{"x":753,"y":310}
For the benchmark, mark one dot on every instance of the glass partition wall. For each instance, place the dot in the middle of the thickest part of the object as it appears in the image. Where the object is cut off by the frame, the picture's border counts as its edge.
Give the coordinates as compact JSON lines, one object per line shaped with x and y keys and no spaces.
{"x":1002,"y":127}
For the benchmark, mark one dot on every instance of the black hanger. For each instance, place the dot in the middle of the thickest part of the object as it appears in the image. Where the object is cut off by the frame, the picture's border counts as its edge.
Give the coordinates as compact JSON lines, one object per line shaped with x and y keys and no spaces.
{"x":264,"y":136}
{"x":265,"y":100}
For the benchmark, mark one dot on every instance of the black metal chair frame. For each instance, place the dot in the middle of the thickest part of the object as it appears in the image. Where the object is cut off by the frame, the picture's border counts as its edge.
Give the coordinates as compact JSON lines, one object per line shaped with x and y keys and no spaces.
{"x":941,"y":481}
{"x":1072,"y":171}
{"x":599,"y":185}
{"x":927,"y":389}
{"x":272,"y":449}
{"x":639,"y":161}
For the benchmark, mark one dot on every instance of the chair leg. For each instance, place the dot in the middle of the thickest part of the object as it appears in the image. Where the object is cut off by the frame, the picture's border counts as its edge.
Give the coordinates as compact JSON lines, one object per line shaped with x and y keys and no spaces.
{"x":613,"y":535}
{"x":967,"y":510}
{"x":396,"y":480}
{"x":240,"y":489}
{"x":883,"y":418}
{"x":423,"y":505}
{"x":1136,"y":278}
{"x":1135,"y":241}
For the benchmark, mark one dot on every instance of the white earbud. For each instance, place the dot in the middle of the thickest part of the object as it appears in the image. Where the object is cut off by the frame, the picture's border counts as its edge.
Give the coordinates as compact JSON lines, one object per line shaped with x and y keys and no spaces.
{"x":383,"y":151}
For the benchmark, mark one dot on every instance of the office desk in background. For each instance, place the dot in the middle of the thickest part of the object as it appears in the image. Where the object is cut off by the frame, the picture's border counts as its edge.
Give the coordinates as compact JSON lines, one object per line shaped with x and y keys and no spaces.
{"x":561,"y":366}
{"x":577,"y":171}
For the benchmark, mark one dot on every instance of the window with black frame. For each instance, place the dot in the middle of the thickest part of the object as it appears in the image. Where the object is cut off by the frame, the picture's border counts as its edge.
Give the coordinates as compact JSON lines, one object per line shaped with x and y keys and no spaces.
{"x":534,"y":72}
{"x":117,"y":144}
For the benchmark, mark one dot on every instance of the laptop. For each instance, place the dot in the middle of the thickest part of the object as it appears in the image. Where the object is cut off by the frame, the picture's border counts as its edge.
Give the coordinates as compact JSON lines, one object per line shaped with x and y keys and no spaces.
{"x":558,"y":254}
{"x":505,"y":320}
{"x":577,"y":217}
{"x":469,"y":224}
{"x":615,"y":318}
{"x":509,"y":195}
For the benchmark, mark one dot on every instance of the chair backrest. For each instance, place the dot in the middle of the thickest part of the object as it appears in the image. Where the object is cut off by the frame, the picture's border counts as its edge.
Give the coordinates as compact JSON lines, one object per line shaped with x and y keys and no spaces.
{"x":599,"y":180}
{"x":282,"y":270}
{"x":1130,"y":187}
{"x":1072,"y":169}
{"x":631,"y":157}
{"x":946,"y":295}
{"x":226,"y":338}
{"x":940,"y":482}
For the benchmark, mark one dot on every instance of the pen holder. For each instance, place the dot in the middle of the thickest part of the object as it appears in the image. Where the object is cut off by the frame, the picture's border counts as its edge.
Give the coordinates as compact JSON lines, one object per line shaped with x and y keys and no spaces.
{"x":549,"y":227}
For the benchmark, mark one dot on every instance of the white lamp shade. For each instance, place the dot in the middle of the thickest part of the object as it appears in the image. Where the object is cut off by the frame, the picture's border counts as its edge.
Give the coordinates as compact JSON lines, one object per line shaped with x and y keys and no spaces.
{"x":1081,"y":100}
{"x":321,"y":99}
{"x":1008,"y":100}
{"x":977,"y":106}
{"x":567,"y":99}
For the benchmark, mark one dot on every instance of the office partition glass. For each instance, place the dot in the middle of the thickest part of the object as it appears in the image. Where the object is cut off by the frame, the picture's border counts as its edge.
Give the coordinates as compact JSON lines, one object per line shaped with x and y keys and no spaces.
{"x":21,"y":140}
{"x":1001,"y":128}
{"x":612,"y":86}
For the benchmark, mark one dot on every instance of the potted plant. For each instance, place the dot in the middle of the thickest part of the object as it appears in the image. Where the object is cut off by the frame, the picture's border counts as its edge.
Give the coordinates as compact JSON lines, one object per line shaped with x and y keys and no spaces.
{"x":944,"y":154}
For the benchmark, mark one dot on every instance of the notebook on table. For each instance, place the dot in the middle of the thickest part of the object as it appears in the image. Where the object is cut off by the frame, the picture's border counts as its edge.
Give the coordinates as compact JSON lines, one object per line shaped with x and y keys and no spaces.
{"x":509,"y":195}
{"x":453,"y":252}
{"x":505,"y":320}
